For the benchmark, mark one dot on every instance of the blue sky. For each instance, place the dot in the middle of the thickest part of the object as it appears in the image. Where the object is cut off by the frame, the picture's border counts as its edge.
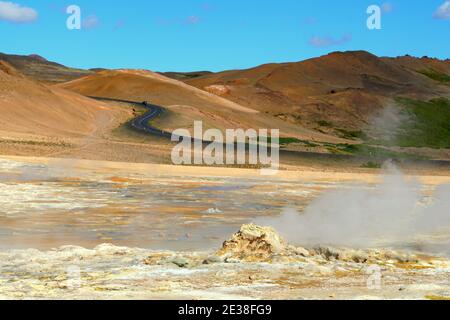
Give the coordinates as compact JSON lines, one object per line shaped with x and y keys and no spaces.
{"x":188,"y":35}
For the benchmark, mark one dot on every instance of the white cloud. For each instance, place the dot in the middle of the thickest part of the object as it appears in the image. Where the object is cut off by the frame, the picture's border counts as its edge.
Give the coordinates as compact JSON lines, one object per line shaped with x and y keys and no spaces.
{"x":322,"y":42}
{"x":14,"y":12}
{"x":443,"y":12}
{"x":90,"y":22}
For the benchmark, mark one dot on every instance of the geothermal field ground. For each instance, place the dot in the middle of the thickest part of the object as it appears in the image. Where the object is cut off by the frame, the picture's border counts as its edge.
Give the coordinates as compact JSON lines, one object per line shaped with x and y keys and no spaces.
{"x":148,"y":231}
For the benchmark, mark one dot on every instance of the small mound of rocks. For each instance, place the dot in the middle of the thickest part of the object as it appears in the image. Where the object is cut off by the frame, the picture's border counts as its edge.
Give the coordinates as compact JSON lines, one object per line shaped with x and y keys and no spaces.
{"x":258,"y":244}
{"x":254,"y":243}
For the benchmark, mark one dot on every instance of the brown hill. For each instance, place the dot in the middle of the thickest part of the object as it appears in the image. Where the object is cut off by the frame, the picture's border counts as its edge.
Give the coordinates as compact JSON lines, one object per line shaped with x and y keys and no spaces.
{"x":328,"y":99}
{"x":31,"y":109}
{"x":342,"y":89}
{"x":419,"y":64}
{"x":37,"y":67}
{"x":184,"y":103}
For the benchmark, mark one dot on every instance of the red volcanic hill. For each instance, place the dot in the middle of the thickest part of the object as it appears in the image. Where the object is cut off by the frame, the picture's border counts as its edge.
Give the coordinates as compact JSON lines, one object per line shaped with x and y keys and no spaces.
{"x":342,"y":88}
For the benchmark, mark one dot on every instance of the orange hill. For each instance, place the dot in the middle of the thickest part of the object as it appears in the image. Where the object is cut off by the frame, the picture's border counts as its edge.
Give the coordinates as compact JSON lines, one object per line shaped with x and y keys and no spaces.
{"x":343,"y":88}
{"x":29,"y":108}
{"x":184,"y":103}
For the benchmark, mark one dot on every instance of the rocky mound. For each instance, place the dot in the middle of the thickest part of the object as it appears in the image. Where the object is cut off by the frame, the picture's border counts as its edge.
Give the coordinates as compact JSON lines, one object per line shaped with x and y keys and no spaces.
{"x":258,"y":244}
{"x":253,"y":242}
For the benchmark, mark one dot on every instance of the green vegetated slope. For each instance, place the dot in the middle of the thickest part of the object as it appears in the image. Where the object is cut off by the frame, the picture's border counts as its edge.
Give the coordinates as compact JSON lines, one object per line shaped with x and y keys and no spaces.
{"x":428,"y":124}
{"x":436,"y":75}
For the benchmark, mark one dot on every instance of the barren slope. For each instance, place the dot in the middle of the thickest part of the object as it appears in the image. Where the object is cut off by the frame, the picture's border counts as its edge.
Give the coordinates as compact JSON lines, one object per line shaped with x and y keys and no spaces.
{"x":343,"y":88}
{"x":423,"y":63}
{"x":183,"y":102}
{"x":31,"y":109}
{"x":39,"y":68}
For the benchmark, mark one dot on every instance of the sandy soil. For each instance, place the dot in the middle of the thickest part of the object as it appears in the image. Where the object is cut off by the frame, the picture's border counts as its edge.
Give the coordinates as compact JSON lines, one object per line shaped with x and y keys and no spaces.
{"x":310,"y":174}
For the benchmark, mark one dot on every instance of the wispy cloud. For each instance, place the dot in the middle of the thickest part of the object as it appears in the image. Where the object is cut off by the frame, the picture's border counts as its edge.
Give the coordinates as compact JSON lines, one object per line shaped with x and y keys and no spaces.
{"x":443,"y":12}
{"x":91,"y":22}
{"x":207,"y":6}
{"x":309,"y":21}
{"x":56,"y":7}
{"x":192,"y":20}
{"x":322,"y":42}
{"x":119,"y":24}
{"x":387,"y":7}
{"x":14,"y":12}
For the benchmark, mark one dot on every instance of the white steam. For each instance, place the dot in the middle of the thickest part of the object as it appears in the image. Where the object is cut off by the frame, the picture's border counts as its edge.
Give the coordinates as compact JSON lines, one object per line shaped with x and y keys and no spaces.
{"x":361,"y":216}
{"x":386,"y":123}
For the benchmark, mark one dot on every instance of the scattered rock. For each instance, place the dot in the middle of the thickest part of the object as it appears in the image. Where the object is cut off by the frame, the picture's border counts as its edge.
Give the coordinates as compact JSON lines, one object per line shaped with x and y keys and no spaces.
{"x":157,"y":259}
{"x":232,"y":260}
{"x":212,"y":211}
{"x":280,"y":259}
{"x":217,"y":89}
{"x":364,"y":256}
{"x":302,"y":252}
{"x":213,"y":259}
{"x":297,"y":251}
{"x":180,"y":262}
{"x":350,"y":255}
{"x":165,"y":259}
{"x":330,"y":254}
